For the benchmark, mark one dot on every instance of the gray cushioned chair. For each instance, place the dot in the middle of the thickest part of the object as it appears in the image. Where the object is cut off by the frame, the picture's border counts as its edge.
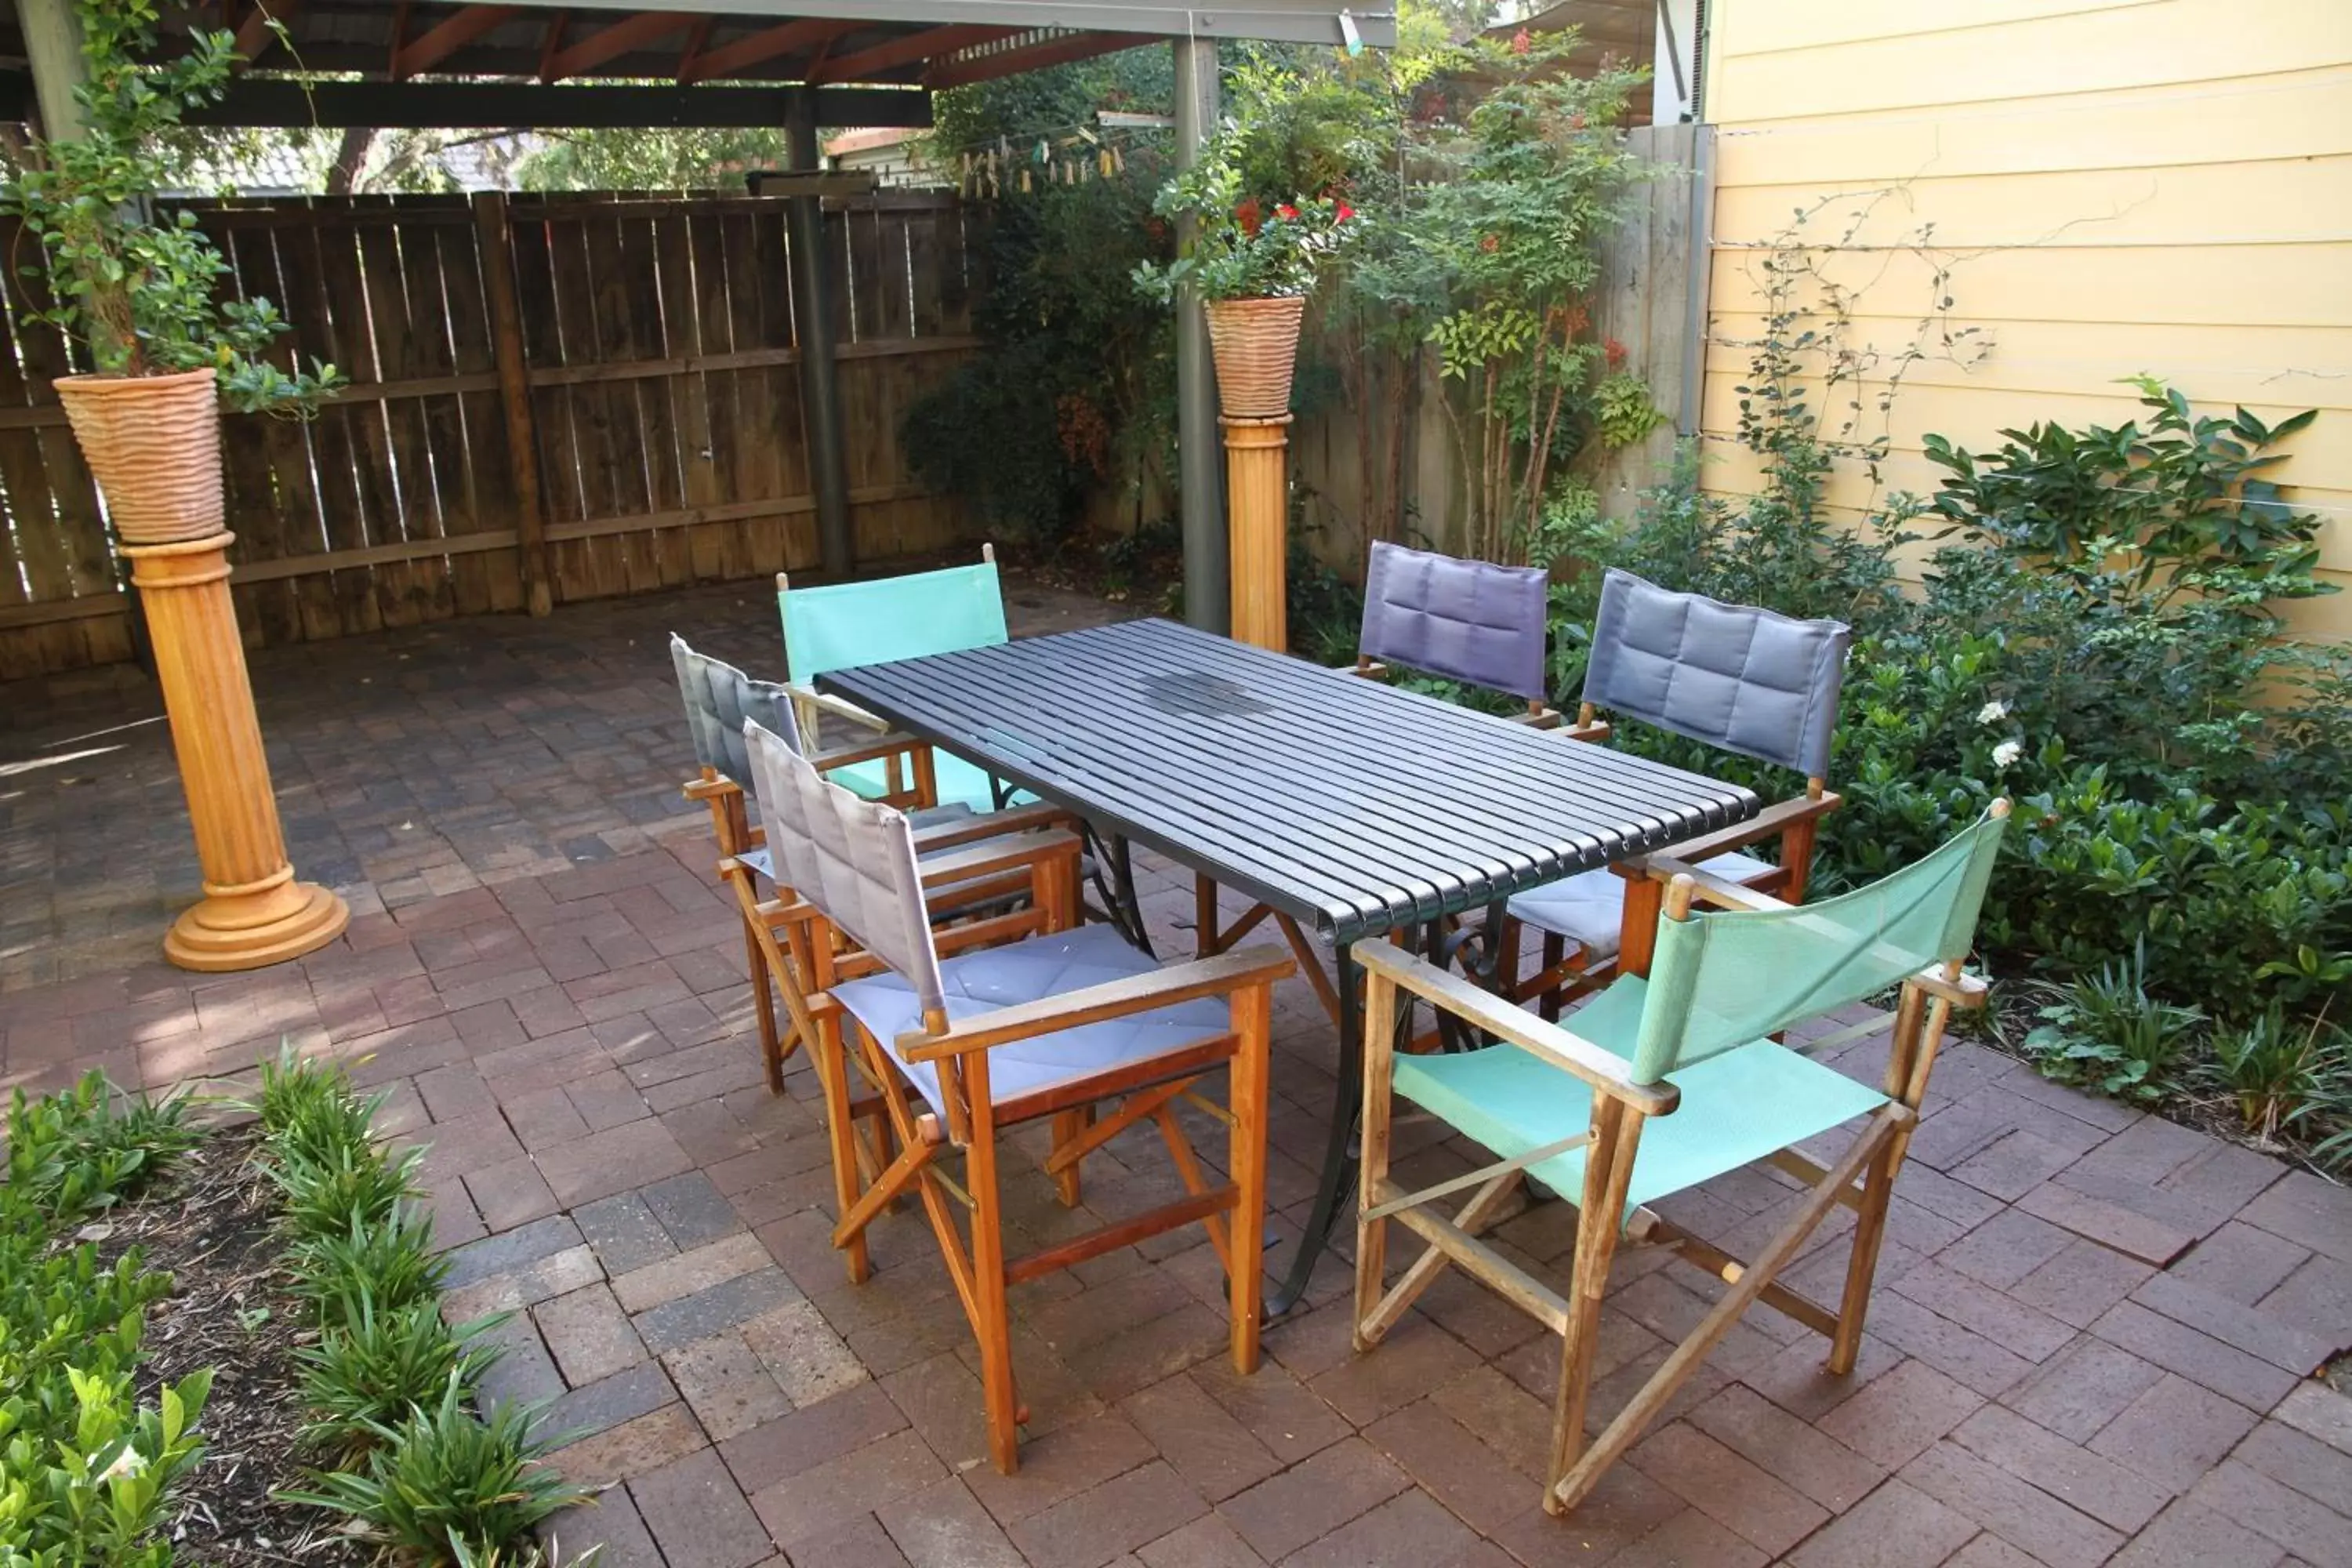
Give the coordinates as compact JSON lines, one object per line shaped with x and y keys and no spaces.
{"x":719,"y":700}
{"x":964,"y":1032}
{"x":1734,"y":677}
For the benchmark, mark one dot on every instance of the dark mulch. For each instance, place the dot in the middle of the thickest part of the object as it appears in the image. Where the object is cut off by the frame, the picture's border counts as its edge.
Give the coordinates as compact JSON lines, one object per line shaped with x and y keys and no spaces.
{"x":206,"y":1222}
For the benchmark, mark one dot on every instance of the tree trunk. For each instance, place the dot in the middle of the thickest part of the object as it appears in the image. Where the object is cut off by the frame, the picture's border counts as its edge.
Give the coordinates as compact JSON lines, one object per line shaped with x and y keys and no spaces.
{"x":350,"y":158}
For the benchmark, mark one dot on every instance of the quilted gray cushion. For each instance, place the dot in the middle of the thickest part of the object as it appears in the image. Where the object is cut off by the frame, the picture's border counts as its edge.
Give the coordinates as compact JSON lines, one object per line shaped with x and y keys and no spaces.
{"x":1472,"y":620}
{"x":719,"y":698}
{"x":1589,"y":909}
{"x":993,"y":978}
{"x":853,"y":859}
{"x":1746,"y":680}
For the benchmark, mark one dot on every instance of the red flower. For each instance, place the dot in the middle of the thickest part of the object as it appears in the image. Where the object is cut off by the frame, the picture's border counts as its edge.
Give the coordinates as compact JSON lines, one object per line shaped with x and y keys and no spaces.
{"x":1490,"y":243}
{"x":1341,"y":212}
{"x":1520,"y":42}
{"x":1575,"y":121}
{"x":1250,"y":216}
{"x":1286,"y":212}
{"x":1615,"y":352}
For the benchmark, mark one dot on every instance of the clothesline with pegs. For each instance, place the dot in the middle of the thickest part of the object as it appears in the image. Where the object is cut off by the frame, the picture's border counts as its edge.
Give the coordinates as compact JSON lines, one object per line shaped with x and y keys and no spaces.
{"x":1066,"y":155}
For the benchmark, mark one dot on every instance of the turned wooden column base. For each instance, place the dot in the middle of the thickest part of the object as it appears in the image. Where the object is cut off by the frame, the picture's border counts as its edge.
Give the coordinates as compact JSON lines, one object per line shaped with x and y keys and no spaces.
{"x":253,"y":911}
{"x":1257,"y":494}
{"x":230,"y":931}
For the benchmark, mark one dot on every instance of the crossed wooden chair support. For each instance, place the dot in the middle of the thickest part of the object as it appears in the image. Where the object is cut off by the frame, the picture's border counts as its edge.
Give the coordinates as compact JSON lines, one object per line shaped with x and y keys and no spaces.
{"x":887,"y":1144}
{"x":1623,"y":1105}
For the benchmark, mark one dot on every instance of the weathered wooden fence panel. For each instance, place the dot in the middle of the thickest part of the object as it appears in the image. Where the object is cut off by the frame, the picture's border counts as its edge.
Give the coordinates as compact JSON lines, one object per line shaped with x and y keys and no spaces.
{"x":662,"y":376}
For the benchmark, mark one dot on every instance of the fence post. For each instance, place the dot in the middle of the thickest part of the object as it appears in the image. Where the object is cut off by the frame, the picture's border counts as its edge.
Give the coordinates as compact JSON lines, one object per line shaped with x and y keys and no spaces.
{"x":514,"y":396}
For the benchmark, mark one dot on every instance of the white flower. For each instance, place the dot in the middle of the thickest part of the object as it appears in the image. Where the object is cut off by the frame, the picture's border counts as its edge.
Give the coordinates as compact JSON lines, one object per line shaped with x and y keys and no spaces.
{"x":127,"y":1463}
{"x":1992,"y":712}
{"x":2007,"y":753}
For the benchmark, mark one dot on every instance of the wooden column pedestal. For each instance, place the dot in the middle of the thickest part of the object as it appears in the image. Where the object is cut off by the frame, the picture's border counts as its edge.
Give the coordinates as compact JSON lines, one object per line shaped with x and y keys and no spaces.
{"x":254,"y":913}
{"x":1258,"y":501}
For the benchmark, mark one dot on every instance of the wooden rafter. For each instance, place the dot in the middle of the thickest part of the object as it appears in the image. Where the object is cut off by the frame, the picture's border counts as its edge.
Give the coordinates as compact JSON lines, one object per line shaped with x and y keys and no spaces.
{"x":551,"y":43}
{"x":693,"y":50}
{"x":610,"y":43}
{"x":255,"y":35}
{"x":906,"y":50}
{"x":441,"y":42}
{"x":734,"y":58}
{"x":962,"y":72}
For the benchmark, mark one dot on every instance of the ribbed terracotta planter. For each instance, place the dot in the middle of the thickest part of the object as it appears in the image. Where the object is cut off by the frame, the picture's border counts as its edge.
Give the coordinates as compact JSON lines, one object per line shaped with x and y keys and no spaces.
{"x":153,"y":443}
{"x":1255,"y":343}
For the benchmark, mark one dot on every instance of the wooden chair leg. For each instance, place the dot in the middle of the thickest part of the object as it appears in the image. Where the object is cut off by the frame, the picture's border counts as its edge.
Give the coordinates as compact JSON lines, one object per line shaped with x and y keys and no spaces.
{"x":1608,"y":1172}
{"x":1861,"y":1267}
{"x":833,"y":1074}
{"x":1246,"y":1099}
{"x":1204,"y":917}
{"x":1069,"y":1124}
{"x":990,"y":1321}
{"x":763,"y":1009}
{"x":1555,"y":954}
{"x":1373,"y":1168}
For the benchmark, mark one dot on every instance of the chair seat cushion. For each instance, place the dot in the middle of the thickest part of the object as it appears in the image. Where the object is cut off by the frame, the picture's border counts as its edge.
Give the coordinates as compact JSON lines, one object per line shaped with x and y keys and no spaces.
{"x":993,"y":978}
{"x":1589,"y":909}
{"x":959,"y":783}
{"x":763,"y":864}
{"x":1736,"y":1108}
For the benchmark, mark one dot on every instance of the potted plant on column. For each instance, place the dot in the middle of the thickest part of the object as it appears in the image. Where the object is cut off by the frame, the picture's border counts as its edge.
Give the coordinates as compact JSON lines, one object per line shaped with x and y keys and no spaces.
{"x":1254,"y":258}
{"x":135,"y":291}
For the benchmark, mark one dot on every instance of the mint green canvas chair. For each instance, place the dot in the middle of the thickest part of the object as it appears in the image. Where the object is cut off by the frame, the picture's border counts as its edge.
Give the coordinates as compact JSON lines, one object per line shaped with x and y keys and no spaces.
{"x":842,"y":626}
{"x":1662,"y":1082}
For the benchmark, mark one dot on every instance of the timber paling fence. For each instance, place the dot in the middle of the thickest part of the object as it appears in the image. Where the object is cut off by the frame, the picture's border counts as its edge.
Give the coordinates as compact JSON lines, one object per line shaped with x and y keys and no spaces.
{"x":564,"y":398}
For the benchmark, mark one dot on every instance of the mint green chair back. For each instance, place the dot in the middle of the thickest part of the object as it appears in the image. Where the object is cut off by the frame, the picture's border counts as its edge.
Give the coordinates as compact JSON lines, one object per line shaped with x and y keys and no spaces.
{"x":1722,"y":979}
{"x":842,"y":626}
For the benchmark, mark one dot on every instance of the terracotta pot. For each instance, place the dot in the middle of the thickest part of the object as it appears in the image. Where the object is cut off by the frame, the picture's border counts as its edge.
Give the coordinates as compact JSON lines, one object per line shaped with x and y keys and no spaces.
{"x":153,"y":443}
{"x":1256,"y":342}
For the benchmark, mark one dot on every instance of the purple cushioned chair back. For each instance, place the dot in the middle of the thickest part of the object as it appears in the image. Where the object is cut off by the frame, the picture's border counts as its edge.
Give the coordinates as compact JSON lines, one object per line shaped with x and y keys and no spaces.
{"x":1733,"y":675}
{"x":1472,"y":620}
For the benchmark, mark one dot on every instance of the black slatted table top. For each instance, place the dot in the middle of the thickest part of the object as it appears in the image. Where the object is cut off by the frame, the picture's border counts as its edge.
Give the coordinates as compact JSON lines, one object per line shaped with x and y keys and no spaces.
{"x":1342,"y":802}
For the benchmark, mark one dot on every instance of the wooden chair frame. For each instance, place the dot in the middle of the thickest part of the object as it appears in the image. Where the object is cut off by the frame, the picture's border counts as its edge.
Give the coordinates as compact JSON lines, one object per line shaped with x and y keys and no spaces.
{"x":1567,"y":975}
{"x":1863,"y":1179}
{"x":731,"y":825}
{"x":905,"y":1146}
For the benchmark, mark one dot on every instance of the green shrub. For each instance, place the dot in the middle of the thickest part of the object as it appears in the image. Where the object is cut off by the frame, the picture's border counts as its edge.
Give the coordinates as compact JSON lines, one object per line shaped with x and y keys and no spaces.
{"x":442,"y":1483}
{"x":376,"y":1361}
{"x":389,"y":1262}
{"x":84,"y":1469}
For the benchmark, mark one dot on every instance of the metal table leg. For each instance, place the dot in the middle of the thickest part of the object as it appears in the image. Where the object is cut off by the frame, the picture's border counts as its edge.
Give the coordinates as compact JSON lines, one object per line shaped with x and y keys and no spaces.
{"x":1337,"y":1186}
{"x":1114,"y":877}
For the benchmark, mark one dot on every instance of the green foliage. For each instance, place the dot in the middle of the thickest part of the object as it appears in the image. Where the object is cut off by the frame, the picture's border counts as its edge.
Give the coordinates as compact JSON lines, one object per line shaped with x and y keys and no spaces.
{"x":141,"y":292}
{"x":376,"y":1360}
{"x":339,"y":1191}
{"x":390,"y":1261}
{"x":442,"y":1485}
{"x":2284,"y":1073}
{"x":84,"y":1467}
{"x":2105,"y":1030}
{"x":1622,"y":412}
{"x":650,"y":158}
{"x":309,"y":1110}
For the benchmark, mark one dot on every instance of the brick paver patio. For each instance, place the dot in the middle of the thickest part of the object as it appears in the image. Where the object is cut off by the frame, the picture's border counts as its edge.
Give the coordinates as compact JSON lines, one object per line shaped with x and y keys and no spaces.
{"x":2090,"y":1341}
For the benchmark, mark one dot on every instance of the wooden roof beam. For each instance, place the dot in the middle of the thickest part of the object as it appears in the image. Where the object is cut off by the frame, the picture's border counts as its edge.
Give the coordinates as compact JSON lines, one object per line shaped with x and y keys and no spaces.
{"x":441,"y":42}
{"x":895,"y":52}
{"x":964,"y":69}
{"x":610,"y":43}
{"x":738,"y":55}
{"x":255,"y":35}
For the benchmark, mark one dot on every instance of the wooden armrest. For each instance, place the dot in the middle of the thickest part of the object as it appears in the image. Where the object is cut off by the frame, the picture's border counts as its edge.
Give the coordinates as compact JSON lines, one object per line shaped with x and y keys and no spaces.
{"x":1605,"y":1070}
{"x":1540,"y":718}
{"x":825,"y":702}
{"x":892,"y":744}
{"x":998,"y":854}
{"x":1778,"y":817}
{"x":710,"y":788}
{"x":989,"y":825}
{"x":1708,"y":888}
{"x":1226,"y":972}
{"x":1597,"y":731}
{"x":1369,"y":668}
{"x":1963,"y":990}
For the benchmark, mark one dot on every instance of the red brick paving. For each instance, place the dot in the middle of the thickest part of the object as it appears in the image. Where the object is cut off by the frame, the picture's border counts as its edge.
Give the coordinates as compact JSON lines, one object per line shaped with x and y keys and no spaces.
{"x":2091,"y":1342}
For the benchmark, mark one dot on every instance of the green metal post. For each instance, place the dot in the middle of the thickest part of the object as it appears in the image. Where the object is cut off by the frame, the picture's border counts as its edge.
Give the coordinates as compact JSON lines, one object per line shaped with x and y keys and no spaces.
{"x":1200,"y":459}
{"x":813,"y":323}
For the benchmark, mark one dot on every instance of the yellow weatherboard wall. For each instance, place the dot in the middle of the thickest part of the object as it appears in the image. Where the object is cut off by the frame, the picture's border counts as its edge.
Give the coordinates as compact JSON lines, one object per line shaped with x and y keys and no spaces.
{"x":2117,"y":187}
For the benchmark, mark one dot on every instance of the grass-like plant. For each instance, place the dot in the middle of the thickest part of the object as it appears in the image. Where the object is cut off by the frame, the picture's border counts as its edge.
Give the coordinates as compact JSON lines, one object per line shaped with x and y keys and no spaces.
{"x":343,"y":1189}
{"x":310,"y":1111}
{"x":443,"y":1486}
{"x":2282,"y":1072}
{"x":2105,"y":1030}
{"x":378,"y":1362}
{"x":389,"y":1262}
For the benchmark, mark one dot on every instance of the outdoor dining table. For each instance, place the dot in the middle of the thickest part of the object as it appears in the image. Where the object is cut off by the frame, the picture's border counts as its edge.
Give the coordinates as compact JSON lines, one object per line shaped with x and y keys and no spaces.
{"x":1344,"y":804}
